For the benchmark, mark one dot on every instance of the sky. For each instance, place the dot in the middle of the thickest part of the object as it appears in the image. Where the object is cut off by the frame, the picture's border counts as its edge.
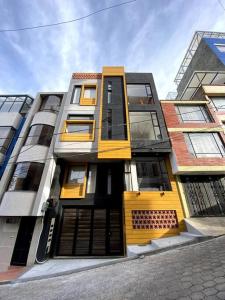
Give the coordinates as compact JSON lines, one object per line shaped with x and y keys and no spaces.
{"x":143,"y":36}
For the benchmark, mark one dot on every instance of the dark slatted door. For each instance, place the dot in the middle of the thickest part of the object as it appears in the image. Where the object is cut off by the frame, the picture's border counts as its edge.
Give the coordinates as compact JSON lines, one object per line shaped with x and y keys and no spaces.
{"x":115,"y":232}
{"x":91,"y":232}
{"x":66,"y":241}
{"x":83,"y":232}
{"x":99,"y":232}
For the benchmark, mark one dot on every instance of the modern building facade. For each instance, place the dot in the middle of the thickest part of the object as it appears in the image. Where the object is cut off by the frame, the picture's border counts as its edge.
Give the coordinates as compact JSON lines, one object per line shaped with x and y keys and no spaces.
{"x":203,"y":64}
{"x":26,"y":182}
{"x":106,"y":166}
{"x":91,"y":174}
{"x":195,"y":124}
{"x":13,"y":112}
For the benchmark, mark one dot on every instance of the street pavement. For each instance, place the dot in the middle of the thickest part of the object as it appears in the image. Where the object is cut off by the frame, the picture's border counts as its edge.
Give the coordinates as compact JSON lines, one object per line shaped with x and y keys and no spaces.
{"x":191,"y":272}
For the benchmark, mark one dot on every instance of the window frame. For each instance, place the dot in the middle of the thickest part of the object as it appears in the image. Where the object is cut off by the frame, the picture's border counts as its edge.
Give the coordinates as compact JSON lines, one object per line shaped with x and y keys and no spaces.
{"x":202,"y":108}
{"x":214,"y":105}
{"x":141,"y":102}
{"x":26,"y":183}
{"x":40,"y":138}
{"x":73,"y":93}
{"x":75,"y":137}
{"x":74,"y":190}
{"x":44,"y":100}
{"x":88,"y":101}
{"x":6,"y":142}
{"x":164,"y":176}
{"x":191,"y":148}
{"x":14,"y":100}
{"x":151,"y":120}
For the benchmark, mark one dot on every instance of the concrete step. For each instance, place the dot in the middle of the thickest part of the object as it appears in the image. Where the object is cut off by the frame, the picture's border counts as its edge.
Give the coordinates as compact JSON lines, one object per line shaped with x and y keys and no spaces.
{"x":172,"y":241}
{"x":189,"y":234}
{"x":139,"y":249}
{"x":206,"y":226}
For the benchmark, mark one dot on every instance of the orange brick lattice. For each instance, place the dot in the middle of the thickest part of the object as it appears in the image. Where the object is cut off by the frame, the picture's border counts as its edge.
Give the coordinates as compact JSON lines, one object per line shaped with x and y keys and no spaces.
{"x":87,"y":75}
{"x":154,"y":219}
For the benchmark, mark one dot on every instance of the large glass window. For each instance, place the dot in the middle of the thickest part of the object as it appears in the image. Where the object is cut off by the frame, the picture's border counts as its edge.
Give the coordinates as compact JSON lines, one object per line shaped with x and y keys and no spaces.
{"x":19,"y":104}
{"x":26,"y":177}
{"x":76,"y":94}
{"x":152,"y":175}
{"x":193,"y":113}
{"x":6,"y":136}
{"x":89,"y":92}
{"x":76,"y":174}
{"x":144,"y":126}
{"x":40,"y":134}
{"x":205,"y":144}
{"x":51,"y":103}
{"x":74,"y":185}
{"x":139,"y":94}
{"x":79,"y":128}
{"x":218,"y":103}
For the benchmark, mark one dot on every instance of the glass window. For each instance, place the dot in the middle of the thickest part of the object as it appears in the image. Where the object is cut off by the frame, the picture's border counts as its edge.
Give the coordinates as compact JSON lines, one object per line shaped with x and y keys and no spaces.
{"x":109,"y":123}
{"x":139,"y":94}
{"x":51,"y":103}
{"x":76,"y":174}
{"x":218,"y":103}
{"x":16,"y":107}
{"x":89,"y":92}
{"x":80,"y":117}
{"x":26,"y":177}
{"x":15,"y":104}
{"x":144,"y":126}
{"x":40,"y":135}
{"x":6,"y":106}
{"x":6,"y":136}
{"x":109,"y":92}
{"x":109,"y":97}
{"x":193,"y":113}
{"x":76,"y":94}
{"x":79,"y":128}
{"x":205,"y":144}
{"x":152,"y":175}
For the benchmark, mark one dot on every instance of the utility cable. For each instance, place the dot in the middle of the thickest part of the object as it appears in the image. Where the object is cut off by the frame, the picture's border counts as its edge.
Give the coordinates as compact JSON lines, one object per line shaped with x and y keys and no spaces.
{"x":69,"y":21}
{"x":116,"y":125}
{"x":123,"y":124}
{"x":204,"y":129}
{"x":151,"y":147}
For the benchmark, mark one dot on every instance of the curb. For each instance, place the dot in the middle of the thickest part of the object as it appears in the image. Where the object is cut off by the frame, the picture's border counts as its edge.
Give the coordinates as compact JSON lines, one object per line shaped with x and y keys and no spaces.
{"x":73,"y":271}
{"x":200,"y":240}
{"x":5,"y":282}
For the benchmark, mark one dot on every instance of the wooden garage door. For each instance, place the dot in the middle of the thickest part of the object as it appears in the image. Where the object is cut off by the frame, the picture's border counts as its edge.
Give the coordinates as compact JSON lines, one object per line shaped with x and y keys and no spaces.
{"x":91,"y":232}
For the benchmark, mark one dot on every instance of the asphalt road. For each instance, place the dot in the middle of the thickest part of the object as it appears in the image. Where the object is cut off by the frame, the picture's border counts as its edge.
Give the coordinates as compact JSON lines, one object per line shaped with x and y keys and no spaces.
{"x":192,"y":272}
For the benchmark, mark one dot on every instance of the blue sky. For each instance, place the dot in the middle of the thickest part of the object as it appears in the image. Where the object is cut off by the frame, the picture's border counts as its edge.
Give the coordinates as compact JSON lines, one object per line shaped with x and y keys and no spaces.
{"x":144,"y":36}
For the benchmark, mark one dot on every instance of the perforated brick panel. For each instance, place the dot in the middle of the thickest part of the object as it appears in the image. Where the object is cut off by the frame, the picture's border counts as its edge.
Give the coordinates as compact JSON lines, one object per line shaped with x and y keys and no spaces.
{"x":154,"y":219}
{"x":87,"y":75}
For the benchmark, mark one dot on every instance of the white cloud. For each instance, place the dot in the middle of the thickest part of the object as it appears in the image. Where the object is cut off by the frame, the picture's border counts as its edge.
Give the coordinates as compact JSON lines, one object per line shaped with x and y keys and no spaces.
{"x":144,"y":36}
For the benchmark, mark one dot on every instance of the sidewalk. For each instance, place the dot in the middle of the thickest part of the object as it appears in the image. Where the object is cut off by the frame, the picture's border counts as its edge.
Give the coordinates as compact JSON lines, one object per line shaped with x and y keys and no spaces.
{"x":65,"y":266}
{"x":11,"y":274}
{"x":58,"y":266}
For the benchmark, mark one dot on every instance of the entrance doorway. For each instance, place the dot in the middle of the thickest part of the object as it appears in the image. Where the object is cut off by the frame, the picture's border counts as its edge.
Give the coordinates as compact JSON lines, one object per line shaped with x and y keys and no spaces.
{"x":23,"y":240}
{"x":91,"y":232}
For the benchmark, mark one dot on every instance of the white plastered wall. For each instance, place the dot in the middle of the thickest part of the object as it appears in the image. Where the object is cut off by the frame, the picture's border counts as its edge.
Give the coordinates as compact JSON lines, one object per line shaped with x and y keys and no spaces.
{"x":68,"y":148}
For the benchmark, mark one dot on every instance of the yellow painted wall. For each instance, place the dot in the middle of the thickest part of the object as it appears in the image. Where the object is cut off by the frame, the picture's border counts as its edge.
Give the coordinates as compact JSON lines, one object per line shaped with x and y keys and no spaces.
{"x":155,"y":200}
{"x":114,"y":149}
